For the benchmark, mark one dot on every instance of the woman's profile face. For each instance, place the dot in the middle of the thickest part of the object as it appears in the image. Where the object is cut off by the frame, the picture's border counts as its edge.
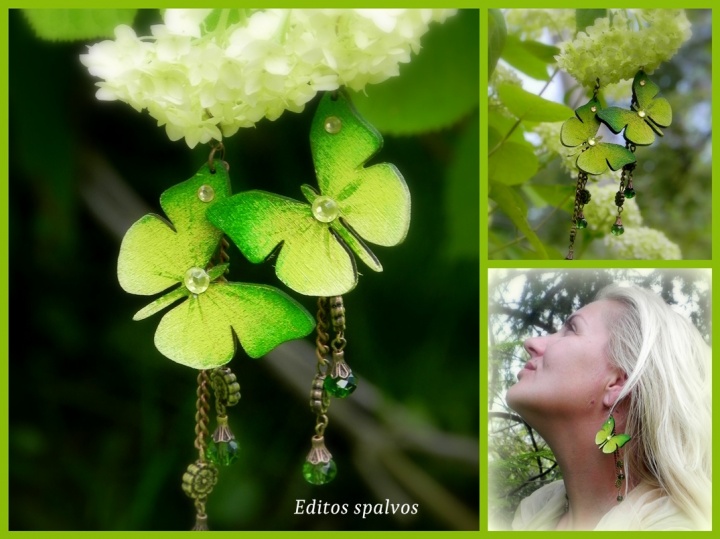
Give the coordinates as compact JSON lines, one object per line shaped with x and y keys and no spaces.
{"x":568,"y":371}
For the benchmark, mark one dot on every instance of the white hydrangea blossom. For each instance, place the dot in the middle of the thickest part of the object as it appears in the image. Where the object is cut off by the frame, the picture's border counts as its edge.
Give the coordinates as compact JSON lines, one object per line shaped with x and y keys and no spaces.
{"x":501,"y":75}
{"x":642,"y":243}
{"x":203,"y":84}
{"x":549,"y":135}
{"x":615,"y":47}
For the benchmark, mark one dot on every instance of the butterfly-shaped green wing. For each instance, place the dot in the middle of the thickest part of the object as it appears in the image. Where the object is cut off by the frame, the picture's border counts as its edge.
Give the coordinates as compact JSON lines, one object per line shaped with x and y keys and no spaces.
{"x":314,"y":243}
{"x":649,"y":113}
{"x":595,"y":156}
{"x":198,"y":332}
{"x":154,"y":254}
{"x":607,"y":440}
{"x":311,"y":259}
{"x":374,"y":201}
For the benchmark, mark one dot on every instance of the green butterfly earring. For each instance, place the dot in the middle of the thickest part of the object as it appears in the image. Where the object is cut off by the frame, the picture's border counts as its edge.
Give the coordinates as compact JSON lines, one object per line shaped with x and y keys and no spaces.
{"x":638,"y":125}
{"x":646,"y":116}
{"x":609,"y":442}
{"x":185,"y":260}
{"x":313,"y":242}
{"x":594,"y":158}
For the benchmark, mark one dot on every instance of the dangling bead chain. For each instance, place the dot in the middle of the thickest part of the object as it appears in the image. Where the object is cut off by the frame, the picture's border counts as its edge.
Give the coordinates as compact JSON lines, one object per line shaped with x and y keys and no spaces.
{"x":620,"y":475}
{"x":319,"y":467}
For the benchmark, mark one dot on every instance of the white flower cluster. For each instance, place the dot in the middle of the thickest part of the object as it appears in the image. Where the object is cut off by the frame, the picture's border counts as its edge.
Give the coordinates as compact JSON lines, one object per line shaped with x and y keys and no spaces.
{"x":615,"y":47}
{"x":206,"y":73}
{"x":549,"y":135}
{"x":501,"y":75}
{"x":642,"y":243}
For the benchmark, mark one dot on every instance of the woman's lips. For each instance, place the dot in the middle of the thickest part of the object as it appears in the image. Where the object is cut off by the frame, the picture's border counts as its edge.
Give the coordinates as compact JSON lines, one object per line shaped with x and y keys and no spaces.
{"x":529,"y":366}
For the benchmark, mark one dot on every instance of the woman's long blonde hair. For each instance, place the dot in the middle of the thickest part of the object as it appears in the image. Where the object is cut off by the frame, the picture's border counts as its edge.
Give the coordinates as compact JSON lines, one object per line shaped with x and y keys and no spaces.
{"x":668,"y":388}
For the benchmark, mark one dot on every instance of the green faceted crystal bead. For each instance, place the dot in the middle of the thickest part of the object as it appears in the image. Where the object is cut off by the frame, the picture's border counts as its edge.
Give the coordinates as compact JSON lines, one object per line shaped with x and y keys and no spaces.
{"x":617,"y":230}
{"x":340,"y":387}
{"x":320,"y":473}
{"x":629,"y":192}
{"x":223,"y":453}
{"x":581,"y":222}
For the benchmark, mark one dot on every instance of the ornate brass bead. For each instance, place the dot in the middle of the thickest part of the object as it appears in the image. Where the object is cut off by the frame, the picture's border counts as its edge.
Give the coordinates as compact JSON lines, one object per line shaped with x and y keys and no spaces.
{"x":199,"y":479}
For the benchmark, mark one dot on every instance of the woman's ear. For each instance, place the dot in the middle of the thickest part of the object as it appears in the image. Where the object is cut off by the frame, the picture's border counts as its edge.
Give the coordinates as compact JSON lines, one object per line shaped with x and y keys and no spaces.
{"x":614,"y":387}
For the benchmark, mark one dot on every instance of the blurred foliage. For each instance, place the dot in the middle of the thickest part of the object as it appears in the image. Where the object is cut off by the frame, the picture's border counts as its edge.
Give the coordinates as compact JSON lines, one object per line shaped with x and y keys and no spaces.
{"x":527,"y":303}
{"x":101,"y":425}
{"x":531,"y":196}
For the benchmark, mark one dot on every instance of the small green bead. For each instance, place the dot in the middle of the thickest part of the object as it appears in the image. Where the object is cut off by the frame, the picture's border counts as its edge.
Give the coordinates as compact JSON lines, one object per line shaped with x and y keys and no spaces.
{"x":223,"y":453}
{"x":617,"y":230}
{"x":340,"y":387}
{"x":629,"y":192}
{"x":581,"y":223}
{"x":320,"y":473}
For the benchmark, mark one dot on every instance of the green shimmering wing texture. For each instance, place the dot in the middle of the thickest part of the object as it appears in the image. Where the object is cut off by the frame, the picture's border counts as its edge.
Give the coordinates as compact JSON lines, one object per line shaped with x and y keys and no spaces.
{"x":199,"y":332}
{"x":356,"y":205}
{"x":155,"y":253}
{"x":311,"y":260}
{"x":637,"y":130}
{"x":577,"y":131}
{"x":595,"y":156}
{"x":615,"y":442}
{"x":607,"y":440}
{"x":596,"y":159}
{"x":606,"y":430}
{"x":649,"y":114}
{"x":373,"y":201}
{"x":658,"y":109}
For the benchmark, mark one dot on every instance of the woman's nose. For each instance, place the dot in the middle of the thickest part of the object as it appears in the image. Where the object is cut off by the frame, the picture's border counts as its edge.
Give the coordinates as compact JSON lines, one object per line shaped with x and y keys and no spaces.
{"x":534,"y":346}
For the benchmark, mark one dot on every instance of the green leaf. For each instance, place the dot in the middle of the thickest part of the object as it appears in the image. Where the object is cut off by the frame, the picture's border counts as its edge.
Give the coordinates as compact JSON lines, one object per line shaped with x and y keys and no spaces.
{"x":462,"y":195}
{"x":587,"y":17}
{"x":510,"y":202}
{"x":436,"y":89}
{"x":552,"y":195}
{"x":517,"y":54}
{"x":541,"y":51}
{"x":512,"y":163}
{"x":530,"y":107}
{"x":502,"y":125}
{"x":497,"y":32}
{"x":77,"y":24}
{"x":313,"y":242}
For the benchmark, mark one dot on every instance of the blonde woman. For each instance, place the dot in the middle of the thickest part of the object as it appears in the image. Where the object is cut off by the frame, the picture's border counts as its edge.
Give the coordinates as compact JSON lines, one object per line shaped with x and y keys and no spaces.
{"x":622,"y":396}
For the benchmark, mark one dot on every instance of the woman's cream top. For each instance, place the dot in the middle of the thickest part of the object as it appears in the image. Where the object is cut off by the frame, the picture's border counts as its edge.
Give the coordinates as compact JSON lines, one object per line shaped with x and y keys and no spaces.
{"x":644,"y":508}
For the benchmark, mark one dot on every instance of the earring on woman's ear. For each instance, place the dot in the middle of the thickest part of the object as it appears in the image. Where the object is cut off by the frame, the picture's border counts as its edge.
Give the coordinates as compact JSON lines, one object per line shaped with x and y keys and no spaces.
{"x":609,"y":442}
